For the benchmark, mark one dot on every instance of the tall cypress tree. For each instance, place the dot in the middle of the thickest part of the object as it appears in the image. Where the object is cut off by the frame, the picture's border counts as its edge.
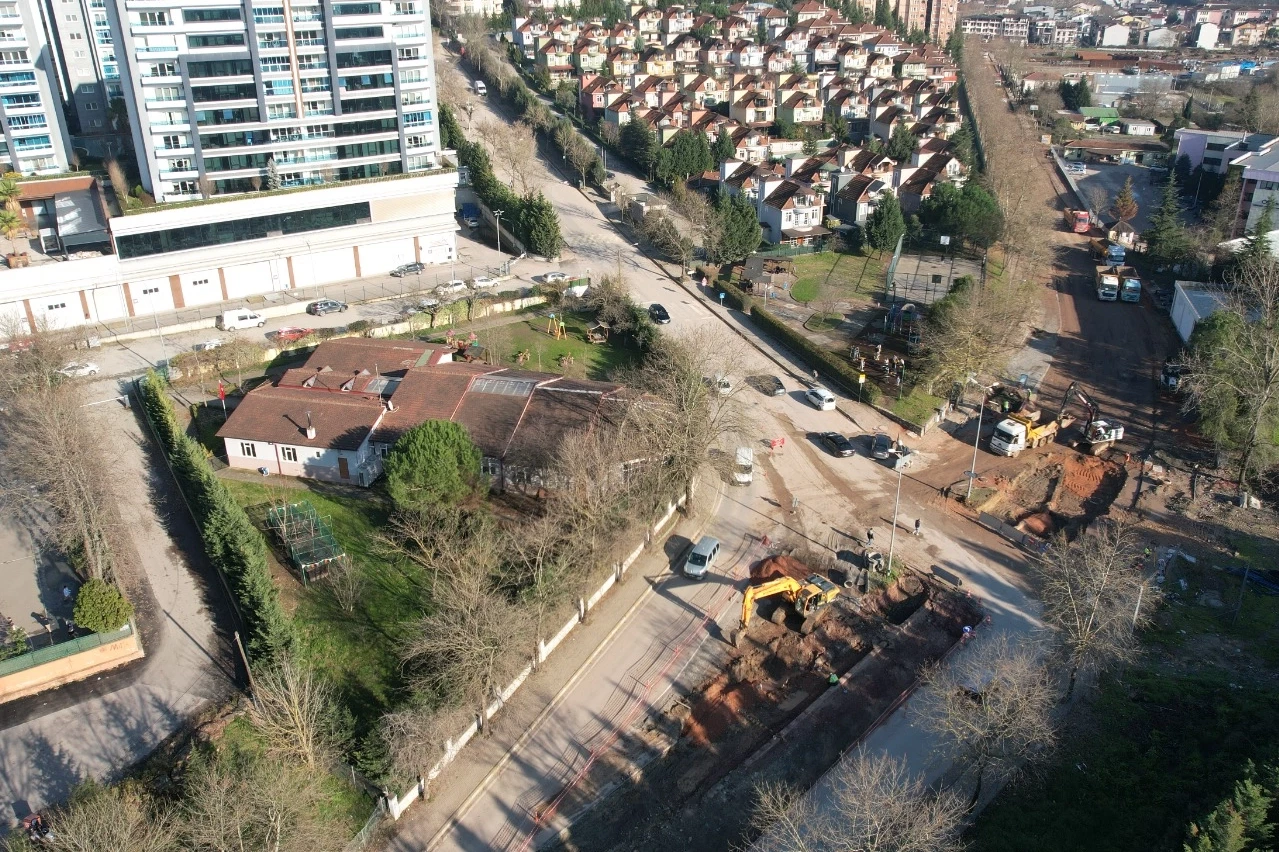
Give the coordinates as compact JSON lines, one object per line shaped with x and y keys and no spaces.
{"x":724,"y":149}
{"x":1167,"y":242}
{"x":886,"y":225}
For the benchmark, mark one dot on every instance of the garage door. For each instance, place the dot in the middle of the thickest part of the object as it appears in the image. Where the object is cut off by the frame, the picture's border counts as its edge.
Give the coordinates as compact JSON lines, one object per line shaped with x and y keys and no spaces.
{"x":107,"y":303}
{"x":381,"y":258}
{"x":248,"y":279}
{"x":323,"y":267}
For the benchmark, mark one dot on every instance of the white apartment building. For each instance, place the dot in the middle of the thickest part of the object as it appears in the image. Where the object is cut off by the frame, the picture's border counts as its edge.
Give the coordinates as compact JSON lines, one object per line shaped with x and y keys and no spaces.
{"x":34,"y":140}
{"x":226,"y":97}
{"x":487,"y":8}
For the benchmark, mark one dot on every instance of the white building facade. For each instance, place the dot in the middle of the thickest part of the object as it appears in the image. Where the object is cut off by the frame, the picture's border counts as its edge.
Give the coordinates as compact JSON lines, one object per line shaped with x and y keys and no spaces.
{"x":226,"y":250}
{"x":34,"y":140}
{"x":228,"y":97}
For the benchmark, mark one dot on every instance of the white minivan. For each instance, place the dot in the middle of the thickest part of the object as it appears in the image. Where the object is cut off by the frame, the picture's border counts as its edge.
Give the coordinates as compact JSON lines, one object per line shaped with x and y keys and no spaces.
{"x":240,"y":318}
{"x":480,"y":88}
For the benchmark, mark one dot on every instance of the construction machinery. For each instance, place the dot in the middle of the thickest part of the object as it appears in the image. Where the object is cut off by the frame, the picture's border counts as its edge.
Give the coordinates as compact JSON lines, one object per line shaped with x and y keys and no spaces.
{"x":1078,"y":221}
{"x":808,"y":598}
{"x":1107,"y":284}
{"x":1096,"y":435}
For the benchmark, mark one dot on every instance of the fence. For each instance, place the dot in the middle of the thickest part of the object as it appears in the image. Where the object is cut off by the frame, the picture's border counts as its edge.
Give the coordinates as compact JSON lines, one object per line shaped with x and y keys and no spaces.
{"x":39,"y":657}
{"x":789,"y":251}
{"x":397,"y":805}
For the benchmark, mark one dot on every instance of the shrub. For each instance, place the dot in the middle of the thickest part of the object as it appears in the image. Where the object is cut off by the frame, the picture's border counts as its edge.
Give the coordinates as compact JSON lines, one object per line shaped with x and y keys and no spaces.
{"x":101,"y":607}
{"x":359,"y":326}
{"x":836,"y":370}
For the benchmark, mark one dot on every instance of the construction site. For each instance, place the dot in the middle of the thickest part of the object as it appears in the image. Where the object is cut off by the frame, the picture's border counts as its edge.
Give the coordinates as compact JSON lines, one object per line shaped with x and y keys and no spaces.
{"x":824,"y":648}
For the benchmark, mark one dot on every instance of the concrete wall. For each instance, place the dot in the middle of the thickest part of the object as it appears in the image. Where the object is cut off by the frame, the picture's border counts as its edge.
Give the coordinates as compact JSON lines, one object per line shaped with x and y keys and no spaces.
{"x":71,"y":668}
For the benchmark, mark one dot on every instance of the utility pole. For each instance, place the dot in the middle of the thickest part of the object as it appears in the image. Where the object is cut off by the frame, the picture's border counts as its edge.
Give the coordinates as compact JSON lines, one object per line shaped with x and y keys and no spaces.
{"x":892,"y":537}
{"x":498,"y":215}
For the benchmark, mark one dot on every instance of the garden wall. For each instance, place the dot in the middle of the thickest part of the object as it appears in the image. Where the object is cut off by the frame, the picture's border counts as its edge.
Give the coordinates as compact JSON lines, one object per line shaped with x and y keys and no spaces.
{"x":68,"y":662}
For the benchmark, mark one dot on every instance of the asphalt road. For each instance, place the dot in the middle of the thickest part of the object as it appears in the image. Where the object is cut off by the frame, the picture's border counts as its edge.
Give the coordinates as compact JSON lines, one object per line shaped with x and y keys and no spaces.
{"x":100,"y":727}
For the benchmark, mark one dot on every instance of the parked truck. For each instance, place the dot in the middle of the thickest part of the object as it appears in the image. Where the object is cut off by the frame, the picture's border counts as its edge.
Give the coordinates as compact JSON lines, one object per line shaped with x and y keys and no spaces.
{"x":1107,"y":284}
{"x":1129,"y":284}
{"x":1104,"y":250}
{"x":1017,"y":432}
{"x":1078,"y":220}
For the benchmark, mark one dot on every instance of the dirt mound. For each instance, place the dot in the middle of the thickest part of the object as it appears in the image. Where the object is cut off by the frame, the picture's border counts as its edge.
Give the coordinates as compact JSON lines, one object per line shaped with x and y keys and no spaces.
{"x":1083,"y":475}
{"x":721,"y":706}
{"x":775,"y":567}
{"x":1039,"y":524}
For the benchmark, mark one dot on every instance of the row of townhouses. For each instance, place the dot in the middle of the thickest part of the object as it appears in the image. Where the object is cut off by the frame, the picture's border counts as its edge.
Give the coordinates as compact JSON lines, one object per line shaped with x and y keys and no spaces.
{"x":286,"y":145}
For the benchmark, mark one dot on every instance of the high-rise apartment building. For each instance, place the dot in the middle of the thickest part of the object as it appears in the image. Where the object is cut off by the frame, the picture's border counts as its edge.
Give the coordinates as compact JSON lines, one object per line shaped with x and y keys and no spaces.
{"x":34,"y":137}
{"x":83,"y":50}
{"x":228,"y":97}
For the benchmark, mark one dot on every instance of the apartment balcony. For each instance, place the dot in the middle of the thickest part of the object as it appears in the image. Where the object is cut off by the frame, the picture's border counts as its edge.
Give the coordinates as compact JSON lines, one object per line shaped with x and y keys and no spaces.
{"x":156,"y":50}
{"x":183,"y":174}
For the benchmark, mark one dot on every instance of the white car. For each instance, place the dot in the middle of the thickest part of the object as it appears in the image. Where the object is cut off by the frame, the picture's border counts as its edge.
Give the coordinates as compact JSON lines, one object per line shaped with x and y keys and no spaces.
{"x":79,"y":369}
{"x":212,"y":343}
{"x":452,"y":287}
{"x":482,"y":281}
{"x":554,"y":277}
{"x":1077,"y":169}
{"x":822,"y":399}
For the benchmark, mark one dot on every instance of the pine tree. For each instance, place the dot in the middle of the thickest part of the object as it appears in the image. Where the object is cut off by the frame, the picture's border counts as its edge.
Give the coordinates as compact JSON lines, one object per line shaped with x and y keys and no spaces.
{"x":272,"y":175}
{"x":955,"y":44}
{"x":902,"y":144}
{"x":1257,"y":251}
{"x":886,"y":225}
{"x":1167,"y":242}
{"x":1125,"y":205}
{"x":539,"y":226}
{"x":739,"y":227}
{"x":638,"y":143}
{"x":1224,"y":209}
{"x":883,"y":14}
{"x":724,"y":148}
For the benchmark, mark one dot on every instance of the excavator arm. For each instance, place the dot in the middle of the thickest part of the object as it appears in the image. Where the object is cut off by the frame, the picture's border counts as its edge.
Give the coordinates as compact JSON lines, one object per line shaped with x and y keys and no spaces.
{"x":780,"y":586}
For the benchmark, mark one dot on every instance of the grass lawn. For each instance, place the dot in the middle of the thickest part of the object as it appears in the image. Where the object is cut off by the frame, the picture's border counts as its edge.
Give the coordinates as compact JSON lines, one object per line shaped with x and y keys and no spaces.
{"x":1151,"y":754}
{"x":918,"y":407}
{"x":357,"y":652}
{"x":846,"y":274}
{"x":1256,"y":629}
{"x":590,"y":360}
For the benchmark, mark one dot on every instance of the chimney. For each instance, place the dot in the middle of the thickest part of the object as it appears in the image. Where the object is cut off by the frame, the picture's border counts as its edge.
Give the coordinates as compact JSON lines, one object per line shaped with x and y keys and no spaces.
{"x":310,"y":429}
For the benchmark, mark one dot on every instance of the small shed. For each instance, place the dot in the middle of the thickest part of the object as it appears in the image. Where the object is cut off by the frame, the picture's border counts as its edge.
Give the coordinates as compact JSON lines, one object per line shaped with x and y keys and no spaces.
{"x":1192,"y":301}
{"x":643,"y":204}
{"x":761,"y":274}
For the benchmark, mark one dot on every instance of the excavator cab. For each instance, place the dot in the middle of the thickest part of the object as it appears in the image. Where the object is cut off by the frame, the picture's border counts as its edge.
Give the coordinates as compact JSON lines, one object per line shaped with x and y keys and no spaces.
{"x":817,"y":593}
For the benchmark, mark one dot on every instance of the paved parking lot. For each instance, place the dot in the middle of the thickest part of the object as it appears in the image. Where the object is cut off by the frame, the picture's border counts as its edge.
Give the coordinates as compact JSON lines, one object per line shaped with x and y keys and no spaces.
{"x":1111,"y":177}
{"x":31,"y":591}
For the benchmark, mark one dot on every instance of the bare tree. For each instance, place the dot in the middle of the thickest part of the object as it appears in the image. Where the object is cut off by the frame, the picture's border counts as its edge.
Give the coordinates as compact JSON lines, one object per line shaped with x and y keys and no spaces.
{"x":207,"y":187}
{"x":706,"y":225}
{"x":663,"y":233}
{"x":1098,"y":198}
{"x":294,"y":708}
{"x":974,"y":330}
{"x":417,"y":737}
{"x":515,"y":151}
{"x":346,"y":583}
{"x":991,"y":705}
{"x":875,"y":805}
{"x":685,"y":416}
{"x":1096,"y":596}
{"x":580,"y":155}
{"x":118,"y":818}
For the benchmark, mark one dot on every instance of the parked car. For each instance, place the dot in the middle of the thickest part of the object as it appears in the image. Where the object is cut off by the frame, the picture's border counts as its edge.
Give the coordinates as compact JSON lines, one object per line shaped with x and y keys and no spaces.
{"x":881,"y":446}
{"x":837,"y":444}
{"x":1077,"y":169}
{"x":554,"y":277}
{"x":452,"y":288}
{"x":326,"y":306}
{"x":292,"y":334}
{"x":211,"y":343}
{"x":658,"y":314}
{"x":407,"y":269}
{"x":482,"y":281}
{"x":79,"y":369}
{"x":821,"y":399}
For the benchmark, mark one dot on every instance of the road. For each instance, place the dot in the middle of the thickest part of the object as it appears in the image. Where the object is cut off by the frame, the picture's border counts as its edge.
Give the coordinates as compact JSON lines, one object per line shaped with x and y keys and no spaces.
{"x":100,"y":727}
{"x":834,"y":499}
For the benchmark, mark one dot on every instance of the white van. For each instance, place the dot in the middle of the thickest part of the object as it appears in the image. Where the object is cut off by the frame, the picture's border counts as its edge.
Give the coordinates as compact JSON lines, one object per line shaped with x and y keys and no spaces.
{"x":744,"y":466}
{"x":240,"y":318}
{"x":481,"y":89}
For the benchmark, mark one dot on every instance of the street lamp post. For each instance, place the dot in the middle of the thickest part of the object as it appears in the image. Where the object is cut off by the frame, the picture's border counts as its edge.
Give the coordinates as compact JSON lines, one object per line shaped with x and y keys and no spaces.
{"x":498,"y":215}
{"x":892,"y":537}
{"x":972,"y":473}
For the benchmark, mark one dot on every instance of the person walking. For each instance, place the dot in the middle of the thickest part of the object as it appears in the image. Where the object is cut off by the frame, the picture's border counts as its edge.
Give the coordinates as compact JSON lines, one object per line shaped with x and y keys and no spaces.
{"x":917,"y":526}
{"x":870,"y":537}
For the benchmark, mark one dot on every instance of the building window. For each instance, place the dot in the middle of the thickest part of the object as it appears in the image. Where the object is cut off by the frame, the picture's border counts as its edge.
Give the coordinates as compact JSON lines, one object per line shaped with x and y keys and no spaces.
{"x":75,"y":36}
{"x":216,"y":40}
{"x":59,"y":306}
{"x":198,"y":281}
{"x":248,"y":449}
{"x":154,"y":19}
{"x":185,"y":187}
{"x":80,"y":54}
{"x":195,"y":16}
{"x":150,"y":291}
{"x":239,"y":230}
{"x":172,"y":142}
{"x":91,"y":107}
{"x":289,"y":454}
{"x":72,"y":18}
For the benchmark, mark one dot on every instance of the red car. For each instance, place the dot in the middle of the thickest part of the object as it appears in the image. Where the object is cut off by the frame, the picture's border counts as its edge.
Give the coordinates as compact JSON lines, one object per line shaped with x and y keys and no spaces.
{"x":292,"y":334}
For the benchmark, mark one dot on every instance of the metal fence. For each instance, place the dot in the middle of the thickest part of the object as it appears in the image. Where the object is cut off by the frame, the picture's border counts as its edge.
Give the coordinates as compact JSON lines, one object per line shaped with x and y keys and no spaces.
{"x":789,"y":251}
{"x":39,"y":657}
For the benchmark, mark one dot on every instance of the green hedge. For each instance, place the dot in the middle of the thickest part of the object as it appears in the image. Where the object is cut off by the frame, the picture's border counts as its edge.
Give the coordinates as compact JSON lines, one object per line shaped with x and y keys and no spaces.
{"x":235,"y":546}
{"x":835,"y":369}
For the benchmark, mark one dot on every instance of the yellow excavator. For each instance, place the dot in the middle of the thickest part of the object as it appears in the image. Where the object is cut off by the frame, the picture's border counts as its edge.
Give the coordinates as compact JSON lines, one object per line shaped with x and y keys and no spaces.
{"x":808,"y":599}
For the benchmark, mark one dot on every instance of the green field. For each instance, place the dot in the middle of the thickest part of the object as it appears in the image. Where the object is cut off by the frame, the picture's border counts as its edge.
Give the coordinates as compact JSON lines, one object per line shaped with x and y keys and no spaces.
{"x":847,"y":275}
{"x":357,"y":652}
{"x":529,"y":333}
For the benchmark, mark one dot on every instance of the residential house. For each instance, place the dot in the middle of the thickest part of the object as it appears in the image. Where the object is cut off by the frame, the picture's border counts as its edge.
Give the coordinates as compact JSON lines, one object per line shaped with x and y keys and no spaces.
{"x":337,"y":417}
{"x":623,"y":34}
{"x":686,"y":50}
{"x":911,"y":66}
{"x":676,"y":21}
{"x":526,"y":33}
{"x":747,"y":56}
{"x":1248,"y":34}
{"x":800,"y":108}
{"x":588,"y":56}
{"x":717,"y":54}
{"x":810,"y":10}
{"x":1163,"y":37}
{"x":854,"y":196}
{"x":735,"y":28}
{"x":648,"y":23}
{"x":556,"y":58}
{"x":597,"y":93}
{"x":775,"y":22}
{"x":703,"y":90}
{"x":879,"y":67}
{"x":656,"y":62}
{"x":621,"y":62}
{"x":1114,"y":35}
{"x":1137,"y":127}
{"x":753,"y":108}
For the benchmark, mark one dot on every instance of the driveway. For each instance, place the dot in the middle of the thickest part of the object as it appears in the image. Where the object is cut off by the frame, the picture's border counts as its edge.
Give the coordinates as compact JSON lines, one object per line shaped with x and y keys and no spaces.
{"x":100,"y":727}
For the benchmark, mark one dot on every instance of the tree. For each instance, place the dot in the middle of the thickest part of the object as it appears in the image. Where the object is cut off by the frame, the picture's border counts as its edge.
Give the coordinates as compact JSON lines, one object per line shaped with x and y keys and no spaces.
{"x":876,"y":805}
{"x":785,"y":128}
{"x":417,"y":736}
{"x":883,"y":14}
{"x":1257,"y":252}
{"x":433,"y":463}
{"x":662,"y":232}
{"x":638,"y":143}
{"x":514,"y":149}
{"x":1232,"y":371}
{"x":10,"y":226}
{"x":1223,"y":211}
{"x":1125,"y":205}
{"x":1242,"y":820}
{"x":836,"y":126}
{"x":1096,"y":597}
{"x":295,"y":710}
{"x":688,"y":154}
{"x":810,"y":142}
{"x":886,"y":225}
{"x":739,"y":229}
{"x":100,"y":607}
{"x":11,"y":195}
{"x":272,"y":175}
{"x":991,"y":705}
{"x":704,"y":220}
{"x":120,"y":818}
{"x":724,"y":148}
{"x":955,"y":44}
{"x":1167,"y":242}
{"x":1075,"y":96}
{"x":962,"y":145}
{"x":539,"y":226}
{"x":970,"y":213}
{"x":973,"y":330}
